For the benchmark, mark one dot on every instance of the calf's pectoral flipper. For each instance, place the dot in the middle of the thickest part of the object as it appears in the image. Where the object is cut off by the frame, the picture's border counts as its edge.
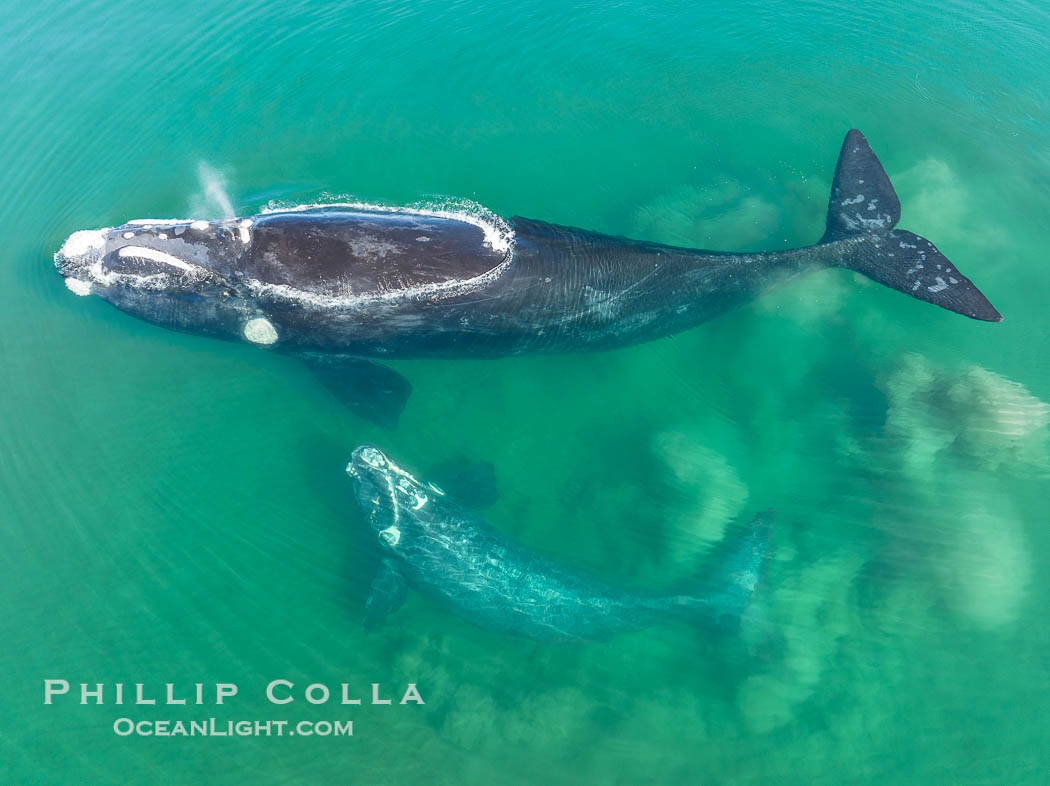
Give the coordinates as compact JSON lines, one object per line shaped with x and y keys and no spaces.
{"x":386,"y":596}
{"x":374,"y":392}
{"x":473,"y":483}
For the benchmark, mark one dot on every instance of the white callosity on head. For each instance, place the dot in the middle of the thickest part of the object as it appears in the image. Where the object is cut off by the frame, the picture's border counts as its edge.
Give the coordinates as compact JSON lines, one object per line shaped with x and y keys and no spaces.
{"x":411,"y":489}
{"x":243,"y":228}
{"x":82,"y":254}
{"x":81,"y":260}
{"x":87,"y":242}
{"x":373,"y":457}
{"x":397,"y":481}
{"x":260,"y":331}
{"x":406,"y":477}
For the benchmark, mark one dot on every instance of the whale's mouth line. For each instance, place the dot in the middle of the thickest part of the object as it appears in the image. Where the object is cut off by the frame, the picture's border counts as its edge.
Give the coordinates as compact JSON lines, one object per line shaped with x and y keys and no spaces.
{"x":153,"y":255}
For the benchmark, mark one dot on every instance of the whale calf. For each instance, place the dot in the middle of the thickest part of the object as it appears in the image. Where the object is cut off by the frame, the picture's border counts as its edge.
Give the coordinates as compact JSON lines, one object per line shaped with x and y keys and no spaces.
{"x":435,"y":546}
{"x":339,"y":285}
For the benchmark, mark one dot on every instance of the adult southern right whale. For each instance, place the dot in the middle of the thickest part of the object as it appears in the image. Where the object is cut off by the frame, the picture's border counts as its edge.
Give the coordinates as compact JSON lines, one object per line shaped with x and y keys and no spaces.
{"x":442,"y":550}
{"x":341,"y":283}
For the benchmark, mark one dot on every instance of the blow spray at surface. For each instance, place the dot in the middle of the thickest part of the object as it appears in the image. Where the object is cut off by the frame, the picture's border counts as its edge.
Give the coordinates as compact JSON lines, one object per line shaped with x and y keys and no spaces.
{"x":213,"y":199}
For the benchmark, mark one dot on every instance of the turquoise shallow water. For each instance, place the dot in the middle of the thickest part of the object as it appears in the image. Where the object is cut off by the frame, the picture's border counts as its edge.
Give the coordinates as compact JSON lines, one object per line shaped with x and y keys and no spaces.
{"x":174,"y":509}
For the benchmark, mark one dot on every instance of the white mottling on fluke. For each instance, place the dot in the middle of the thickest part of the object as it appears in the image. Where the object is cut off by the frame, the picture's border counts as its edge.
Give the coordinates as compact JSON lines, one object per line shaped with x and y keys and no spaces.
{"x":939,"y":286}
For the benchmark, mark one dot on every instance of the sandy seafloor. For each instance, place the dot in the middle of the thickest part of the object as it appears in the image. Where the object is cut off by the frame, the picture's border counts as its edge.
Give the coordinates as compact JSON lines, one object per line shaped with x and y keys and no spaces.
{"x":174,"y":509}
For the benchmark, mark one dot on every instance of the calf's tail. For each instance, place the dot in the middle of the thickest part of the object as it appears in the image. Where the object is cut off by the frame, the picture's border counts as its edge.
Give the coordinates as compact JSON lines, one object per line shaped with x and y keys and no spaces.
{"x":739,"y":563}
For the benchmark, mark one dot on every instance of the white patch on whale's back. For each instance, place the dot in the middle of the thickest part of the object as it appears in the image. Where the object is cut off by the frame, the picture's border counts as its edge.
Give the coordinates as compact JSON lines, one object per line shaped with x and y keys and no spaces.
{"x":373,"y":457}
{"x":84,"y":249}
{"x":260,"y":331}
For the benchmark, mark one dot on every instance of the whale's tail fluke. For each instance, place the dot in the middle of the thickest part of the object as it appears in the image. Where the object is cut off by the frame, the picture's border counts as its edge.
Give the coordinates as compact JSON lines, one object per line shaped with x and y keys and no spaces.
{"x":740,"y":562}
{"x":864,"y":208}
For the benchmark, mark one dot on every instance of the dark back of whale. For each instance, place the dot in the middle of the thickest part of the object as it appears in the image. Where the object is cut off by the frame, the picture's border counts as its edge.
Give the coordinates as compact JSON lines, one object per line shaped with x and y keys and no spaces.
{"x":361,"y":252}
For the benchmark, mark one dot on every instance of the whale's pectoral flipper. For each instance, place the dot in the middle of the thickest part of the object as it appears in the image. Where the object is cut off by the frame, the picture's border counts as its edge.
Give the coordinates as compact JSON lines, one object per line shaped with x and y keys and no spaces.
{"x":864,"y":209}
{"x":472,"y":483}
{"x":374,"y":392}
{"x":386,"y":596}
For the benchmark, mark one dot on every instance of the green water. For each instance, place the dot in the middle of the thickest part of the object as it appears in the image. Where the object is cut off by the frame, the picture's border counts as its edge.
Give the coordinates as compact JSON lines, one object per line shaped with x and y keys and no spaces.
{"x":174,"y":509}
